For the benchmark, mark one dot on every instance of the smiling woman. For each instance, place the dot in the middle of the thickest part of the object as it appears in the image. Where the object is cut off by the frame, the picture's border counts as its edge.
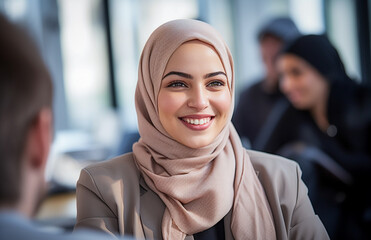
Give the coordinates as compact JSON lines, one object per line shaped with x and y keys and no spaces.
{"x":194,"y":101}
{"x":188,"y":176}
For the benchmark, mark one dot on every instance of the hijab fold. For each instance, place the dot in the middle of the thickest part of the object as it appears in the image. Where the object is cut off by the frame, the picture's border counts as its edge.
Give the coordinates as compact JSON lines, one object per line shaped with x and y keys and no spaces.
{"x":198,"y":186}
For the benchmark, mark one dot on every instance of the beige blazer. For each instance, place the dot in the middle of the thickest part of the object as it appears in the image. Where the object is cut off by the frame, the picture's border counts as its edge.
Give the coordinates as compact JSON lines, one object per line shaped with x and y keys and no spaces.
{"x":113,"y":197}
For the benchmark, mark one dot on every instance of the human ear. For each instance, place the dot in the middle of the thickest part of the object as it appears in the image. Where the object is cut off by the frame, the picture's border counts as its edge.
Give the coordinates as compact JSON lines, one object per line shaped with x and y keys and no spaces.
{"x":39,"y":139}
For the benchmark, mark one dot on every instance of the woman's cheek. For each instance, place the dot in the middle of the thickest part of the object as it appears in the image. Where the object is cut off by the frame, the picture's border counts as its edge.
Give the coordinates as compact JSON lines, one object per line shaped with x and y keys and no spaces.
{"x":223,"y":103}
{"x":170,"y":103}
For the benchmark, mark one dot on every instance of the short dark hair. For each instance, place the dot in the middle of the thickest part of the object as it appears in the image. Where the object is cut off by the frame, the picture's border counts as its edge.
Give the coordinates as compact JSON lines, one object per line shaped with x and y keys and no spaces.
{"x":25,"y":88}
{"x":282,"y":28}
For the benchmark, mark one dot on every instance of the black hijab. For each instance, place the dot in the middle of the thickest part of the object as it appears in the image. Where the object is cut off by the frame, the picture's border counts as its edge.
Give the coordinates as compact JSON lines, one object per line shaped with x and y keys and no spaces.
{"x":318,"y":51}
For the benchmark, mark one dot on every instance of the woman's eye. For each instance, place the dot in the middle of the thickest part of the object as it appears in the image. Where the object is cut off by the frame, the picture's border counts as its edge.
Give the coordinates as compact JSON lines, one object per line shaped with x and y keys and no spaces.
{"x":215,"y":84}
{"x":296,"y":72}
{"x":176,"y":84}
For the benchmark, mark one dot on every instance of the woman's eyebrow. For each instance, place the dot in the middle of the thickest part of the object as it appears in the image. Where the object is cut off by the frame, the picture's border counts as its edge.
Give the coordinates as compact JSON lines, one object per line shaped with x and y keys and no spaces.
{"x":213,"y":74}
{"x":181,"y":74}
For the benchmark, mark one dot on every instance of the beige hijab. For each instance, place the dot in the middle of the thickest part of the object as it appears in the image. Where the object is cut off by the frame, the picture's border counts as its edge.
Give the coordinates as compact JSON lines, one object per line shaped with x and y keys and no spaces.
{"x":198,"y":186}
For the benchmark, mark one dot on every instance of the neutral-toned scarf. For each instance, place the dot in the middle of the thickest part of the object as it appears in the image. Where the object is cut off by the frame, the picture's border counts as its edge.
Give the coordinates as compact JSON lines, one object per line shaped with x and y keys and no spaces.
{"x":198,"y":186}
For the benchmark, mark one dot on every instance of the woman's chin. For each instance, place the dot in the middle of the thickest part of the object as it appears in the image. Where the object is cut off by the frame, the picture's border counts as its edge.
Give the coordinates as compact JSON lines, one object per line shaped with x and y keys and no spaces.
{"x":196,"y":143}
{"x":299,"y":105}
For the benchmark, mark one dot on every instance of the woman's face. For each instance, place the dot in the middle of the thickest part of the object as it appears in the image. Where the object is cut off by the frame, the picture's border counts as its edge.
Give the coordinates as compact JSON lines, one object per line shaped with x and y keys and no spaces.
{"x":194,"y":99}
{"x":302,"y":84}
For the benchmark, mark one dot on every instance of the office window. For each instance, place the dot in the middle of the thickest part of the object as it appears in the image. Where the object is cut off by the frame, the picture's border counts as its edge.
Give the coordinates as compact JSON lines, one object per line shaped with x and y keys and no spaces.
{"x":85,"y":62}
{"x":132,"y":23}
{"x":308,"y":15}
{"x":342,"y":31}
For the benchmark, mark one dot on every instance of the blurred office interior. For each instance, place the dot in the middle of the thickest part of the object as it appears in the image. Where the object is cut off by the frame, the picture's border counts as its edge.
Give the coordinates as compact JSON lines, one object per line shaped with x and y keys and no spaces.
{"x":92,"y":48}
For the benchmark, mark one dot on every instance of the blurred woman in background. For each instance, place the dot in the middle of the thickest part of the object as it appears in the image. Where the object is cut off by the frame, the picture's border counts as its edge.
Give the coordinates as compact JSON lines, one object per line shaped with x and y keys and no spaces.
{"x":331,"y":139}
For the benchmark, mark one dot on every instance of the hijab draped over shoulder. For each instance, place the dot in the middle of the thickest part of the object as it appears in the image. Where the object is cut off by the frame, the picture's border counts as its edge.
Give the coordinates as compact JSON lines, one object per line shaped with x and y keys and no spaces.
{"x":198,"y":186}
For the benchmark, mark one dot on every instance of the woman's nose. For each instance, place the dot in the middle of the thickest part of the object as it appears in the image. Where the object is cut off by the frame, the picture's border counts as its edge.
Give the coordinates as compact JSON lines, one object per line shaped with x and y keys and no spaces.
{"x":198,"y":99}
{"x":285,"y":84}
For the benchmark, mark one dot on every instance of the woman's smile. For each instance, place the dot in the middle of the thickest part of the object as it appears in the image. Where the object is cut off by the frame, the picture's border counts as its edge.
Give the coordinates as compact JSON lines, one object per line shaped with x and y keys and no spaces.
{"x":197,"y":122}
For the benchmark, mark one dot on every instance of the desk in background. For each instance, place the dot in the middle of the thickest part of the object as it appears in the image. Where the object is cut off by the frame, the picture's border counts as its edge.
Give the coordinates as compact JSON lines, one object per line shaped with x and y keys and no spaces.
{"x":58,"y":211}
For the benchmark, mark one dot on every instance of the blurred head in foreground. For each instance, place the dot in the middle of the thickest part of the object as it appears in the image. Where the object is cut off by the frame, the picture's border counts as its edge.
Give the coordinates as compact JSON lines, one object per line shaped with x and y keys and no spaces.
{"x":25,"y":120}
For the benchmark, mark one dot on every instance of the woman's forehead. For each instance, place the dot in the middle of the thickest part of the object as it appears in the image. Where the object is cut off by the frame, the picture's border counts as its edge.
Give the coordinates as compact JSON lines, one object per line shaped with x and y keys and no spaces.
{"x":185,"y":49}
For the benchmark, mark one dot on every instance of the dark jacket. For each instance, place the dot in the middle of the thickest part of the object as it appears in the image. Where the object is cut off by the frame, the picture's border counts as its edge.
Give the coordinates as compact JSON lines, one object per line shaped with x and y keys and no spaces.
{"x":347,"y":143}
{"x":349,"y":111}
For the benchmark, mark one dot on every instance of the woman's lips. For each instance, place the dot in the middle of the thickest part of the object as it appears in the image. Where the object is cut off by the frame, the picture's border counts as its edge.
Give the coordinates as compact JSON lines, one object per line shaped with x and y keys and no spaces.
{"x":197,"y":123}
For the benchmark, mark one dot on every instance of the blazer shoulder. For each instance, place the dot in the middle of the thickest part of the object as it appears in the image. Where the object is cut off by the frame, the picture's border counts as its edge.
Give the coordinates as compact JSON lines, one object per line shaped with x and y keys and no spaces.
{"x":288,"y":197}
{"x":103,"y":177}
{"x":121,"y":167}
{"x":272,"y":164}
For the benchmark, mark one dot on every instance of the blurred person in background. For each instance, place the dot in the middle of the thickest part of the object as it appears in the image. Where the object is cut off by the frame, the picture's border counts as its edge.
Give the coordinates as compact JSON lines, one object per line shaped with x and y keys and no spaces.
{"x":189,"y":176}
{"x":25,"y":137}
{"x":331,"y":139}
{"x":257,"y":101}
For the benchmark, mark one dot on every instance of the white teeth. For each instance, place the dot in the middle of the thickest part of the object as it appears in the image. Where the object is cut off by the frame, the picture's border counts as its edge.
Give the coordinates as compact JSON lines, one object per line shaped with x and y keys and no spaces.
{"x":197,"y":121}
